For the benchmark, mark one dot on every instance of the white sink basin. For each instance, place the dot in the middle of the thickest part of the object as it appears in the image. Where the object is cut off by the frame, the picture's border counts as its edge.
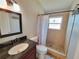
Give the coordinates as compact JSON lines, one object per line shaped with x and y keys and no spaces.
{"x":18,"y":48}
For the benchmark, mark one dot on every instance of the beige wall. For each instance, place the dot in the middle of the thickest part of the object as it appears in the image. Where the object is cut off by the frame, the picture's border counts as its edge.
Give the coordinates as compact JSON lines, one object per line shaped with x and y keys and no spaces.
{"x":30,"y":9}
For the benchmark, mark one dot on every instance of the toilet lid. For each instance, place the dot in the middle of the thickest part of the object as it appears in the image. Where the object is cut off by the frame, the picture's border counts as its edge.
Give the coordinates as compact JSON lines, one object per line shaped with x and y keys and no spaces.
{"x":41,"y":48}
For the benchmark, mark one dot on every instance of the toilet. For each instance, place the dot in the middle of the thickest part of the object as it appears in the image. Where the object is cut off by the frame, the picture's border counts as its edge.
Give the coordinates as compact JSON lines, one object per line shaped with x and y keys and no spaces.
{"x":41,"y":49}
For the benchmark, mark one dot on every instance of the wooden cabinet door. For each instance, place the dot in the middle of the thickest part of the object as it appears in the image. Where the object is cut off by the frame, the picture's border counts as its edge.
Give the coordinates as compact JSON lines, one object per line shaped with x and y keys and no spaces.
{"x":31,"y":54}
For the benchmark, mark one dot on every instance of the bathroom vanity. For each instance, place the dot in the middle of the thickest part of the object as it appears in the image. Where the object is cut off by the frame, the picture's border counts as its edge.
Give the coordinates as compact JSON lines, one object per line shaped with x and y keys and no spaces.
{"x":29,"y":53}
{"x":11,"y":24}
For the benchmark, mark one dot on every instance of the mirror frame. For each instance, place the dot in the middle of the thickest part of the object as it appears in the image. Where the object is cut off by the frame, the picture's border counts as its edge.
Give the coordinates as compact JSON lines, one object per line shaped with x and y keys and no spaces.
{"x":20,"y":22}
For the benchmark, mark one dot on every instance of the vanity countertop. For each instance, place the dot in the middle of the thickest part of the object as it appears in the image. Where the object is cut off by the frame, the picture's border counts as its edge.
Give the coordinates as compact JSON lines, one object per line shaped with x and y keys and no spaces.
{"x":4,"y":51}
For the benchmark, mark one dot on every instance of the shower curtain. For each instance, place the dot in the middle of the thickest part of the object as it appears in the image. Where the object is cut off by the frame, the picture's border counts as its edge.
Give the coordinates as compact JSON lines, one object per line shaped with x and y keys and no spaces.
{"x":42,"y":28}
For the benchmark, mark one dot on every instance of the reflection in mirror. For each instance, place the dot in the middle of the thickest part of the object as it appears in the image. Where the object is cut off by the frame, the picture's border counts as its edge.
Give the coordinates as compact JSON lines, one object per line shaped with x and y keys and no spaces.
{"x":10,"y":23}
{"x":4,"y":22}
{"x":14,"y":23}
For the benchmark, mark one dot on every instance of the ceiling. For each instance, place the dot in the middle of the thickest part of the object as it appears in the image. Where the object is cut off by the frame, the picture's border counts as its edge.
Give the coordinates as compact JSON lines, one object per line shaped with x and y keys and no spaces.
{"x":55,"y":5}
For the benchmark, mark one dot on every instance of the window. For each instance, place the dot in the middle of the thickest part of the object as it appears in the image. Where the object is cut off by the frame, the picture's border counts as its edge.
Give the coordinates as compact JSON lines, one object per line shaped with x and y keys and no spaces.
{"x":55,"y":23}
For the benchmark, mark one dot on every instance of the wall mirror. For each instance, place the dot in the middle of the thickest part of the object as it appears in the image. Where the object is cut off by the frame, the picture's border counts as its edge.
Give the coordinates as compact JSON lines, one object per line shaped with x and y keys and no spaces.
{"x":10,"y":23}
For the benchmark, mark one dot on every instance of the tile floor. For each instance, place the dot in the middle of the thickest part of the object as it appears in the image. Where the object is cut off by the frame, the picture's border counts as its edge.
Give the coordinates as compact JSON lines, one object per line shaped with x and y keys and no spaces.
{"x":49,"y":57}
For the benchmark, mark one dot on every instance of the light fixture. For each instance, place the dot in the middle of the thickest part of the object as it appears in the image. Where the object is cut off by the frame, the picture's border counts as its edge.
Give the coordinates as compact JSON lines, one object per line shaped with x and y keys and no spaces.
{"x":10,"y":2}
{"x":16,"y":7}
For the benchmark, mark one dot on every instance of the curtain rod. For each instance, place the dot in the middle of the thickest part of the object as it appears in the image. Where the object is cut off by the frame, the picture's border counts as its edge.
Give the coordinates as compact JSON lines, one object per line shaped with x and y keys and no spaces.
{"x":56,"y":12}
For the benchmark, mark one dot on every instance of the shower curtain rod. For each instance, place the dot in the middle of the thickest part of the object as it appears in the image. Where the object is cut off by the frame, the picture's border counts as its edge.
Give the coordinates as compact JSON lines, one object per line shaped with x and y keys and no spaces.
{"x":56,"y":12}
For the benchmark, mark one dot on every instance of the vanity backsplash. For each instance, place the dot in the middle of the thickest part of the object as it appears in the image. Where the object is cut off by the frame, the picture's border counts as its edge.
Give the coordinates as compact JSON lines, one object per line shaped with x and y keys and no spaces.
{"x":11,"y":42}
